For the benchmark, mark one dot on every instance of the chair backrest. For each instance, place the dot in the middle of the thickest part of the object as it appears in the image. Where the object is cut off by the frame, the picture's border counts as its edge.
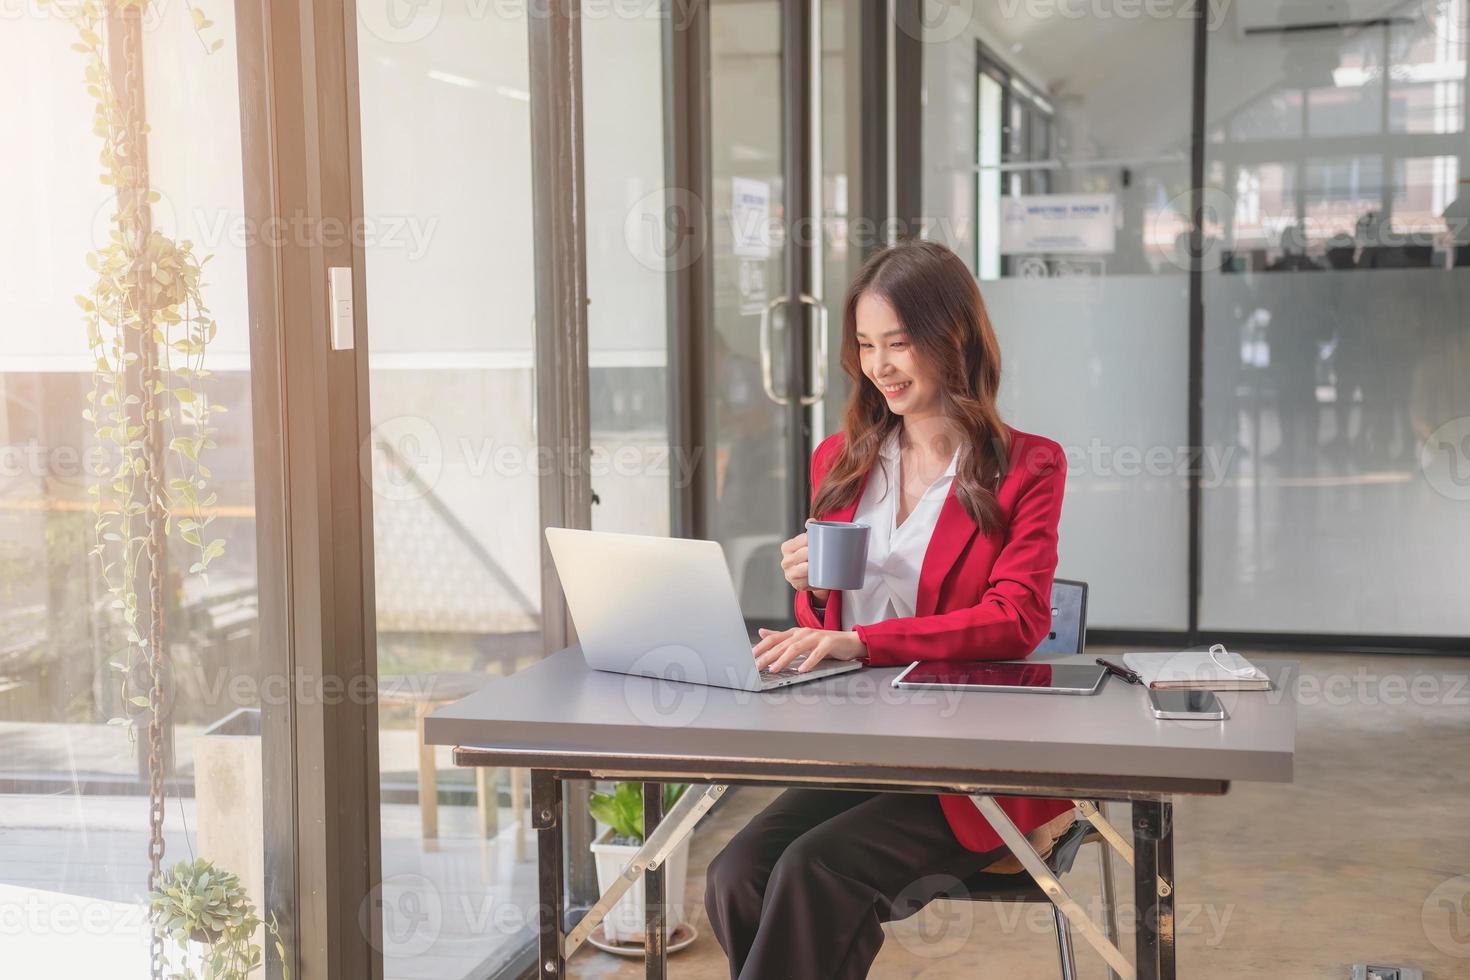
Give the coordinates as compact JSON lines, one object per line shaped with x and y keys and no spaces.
{"x":1068,"y":633}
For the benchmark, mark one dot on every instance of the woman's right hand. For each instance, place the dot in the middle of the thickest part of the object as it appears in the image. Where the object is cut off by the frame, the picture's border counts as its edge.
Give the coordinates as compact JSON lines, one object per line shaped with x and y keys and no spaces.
{"x":794,"y":566}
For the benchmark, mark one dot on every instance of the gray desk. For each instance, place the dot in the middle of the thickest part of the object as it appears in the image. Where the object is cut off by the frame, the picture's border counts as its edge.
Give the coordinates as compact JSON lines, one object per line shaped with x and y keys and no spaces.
{"x":563,"y":721}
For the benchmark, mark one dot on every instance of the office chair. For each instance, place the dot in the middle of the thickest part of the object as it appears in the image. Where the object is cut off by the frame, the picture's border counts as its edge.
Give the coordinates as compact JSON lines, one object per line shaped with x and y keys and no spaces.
{"x":1068,"y":634}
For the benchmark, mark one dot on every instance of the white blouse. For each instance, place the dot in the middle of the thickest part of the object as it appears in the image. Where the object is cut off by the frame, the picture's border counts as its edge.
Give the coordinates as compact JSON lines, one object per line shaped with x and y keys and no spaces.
{"x":895,"y":551}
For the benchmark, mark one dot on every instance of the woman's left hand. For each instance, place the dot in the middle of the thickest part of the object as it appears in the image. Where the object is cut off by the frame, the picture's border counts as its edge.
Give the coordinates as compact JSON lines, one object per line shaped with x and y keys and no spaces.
{"x":777,"y":648}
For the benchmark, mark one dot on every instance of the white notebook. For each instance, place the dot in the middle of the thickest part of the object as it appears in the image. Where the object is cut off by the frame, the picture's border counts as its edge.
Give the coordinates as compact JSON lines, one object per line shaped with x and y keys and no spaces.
{"x":1213,"y":670}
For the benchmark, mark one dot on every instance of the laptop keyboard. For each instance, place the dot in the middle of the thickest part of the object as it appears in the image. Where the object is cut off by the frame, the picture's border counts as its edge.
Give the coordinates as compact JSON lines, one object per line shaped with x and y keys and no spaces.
{"x":790,"y":670}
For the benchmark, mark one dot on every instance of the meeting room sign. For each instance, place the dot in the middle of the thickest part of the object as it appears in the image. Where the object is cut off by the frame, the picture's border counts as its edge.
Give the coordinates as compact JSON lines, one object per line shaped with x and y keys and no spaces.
{"x":1074,"y":224}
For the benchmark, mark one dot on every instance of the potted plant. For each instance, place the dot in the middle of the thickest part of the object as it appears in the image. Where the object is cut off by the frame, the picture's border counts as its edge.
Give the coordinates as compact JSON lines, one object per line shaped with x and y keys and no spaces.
{"x":622,"y":811}
{"x":198,"y":903}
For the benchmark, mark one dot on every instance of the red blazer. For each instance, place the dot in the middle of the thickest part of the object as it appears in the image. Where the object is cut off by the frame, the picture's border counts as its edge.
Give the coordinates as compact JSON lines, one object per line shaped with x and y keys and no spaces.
{"x":981,"y":597}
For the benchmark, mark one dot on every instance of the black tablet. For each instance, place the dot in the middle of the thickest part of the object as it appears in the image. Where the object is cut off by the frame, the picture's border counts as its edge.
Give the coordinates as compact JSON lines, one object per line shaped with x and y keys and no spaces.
{"x":1002,"y":675}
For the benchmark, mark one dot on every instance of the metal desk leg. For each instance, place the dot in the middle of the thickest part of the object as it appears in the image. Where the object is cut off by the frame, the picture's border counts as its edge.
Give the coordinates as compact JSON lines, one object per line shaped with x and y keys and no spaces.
{"x":1153,"y":888}
{"x":1047,"y":881}
{"x":655,"y":939}
{"x":546,"y":819}
{"x":1115,"y":839}
{"x":1166,"y":894}
{"x":1110,"y":900}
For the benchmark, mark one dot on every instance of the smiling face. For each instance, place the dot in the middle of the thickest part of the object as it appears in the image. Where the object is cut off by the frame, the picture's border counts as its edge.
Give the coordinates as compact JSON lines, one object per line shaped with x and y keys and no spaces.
{"x":887,"y":357}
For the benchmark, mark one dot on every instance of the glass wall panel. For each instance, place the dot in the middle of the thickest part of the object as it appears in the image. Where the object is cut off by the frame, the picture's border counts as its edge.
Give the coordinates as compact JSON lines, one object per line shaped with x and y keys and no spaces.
{"x":1336,"y":342}
{"x":749,"y":430}
{"x":128,"y":574}
{"x":632,"y":244}
{"x":446,"y":159}
{"x":843,"y":239}
{"x":1058,"y":168}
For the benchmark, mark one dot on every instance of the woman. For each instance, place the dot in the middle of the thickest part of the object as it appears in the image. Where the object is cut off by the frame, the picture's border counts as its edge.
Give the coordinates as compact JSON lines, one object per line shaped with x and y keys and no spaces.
{"x":963,"y":546}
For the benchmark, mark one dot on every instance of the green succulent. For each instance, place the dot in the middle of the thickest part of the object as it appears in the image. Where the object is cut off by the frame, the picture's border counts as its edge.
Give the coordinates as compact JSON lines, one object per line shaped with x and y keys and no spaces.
{"x":199,"y":902}
{"x":622,"y":809}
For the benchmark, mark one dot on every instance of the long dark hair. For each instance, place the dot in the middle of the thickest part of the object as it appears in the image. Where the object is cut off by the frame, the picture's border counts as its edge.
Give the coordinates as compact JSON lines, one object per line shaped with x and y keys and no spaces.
{"x":939,"y":304}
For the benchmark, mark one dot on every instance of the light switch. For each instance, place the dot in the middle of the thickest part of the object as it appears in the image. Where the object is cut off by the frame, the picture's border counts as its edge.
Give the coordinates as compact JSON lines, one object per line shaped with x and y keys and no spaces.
{"x":339,"y":279}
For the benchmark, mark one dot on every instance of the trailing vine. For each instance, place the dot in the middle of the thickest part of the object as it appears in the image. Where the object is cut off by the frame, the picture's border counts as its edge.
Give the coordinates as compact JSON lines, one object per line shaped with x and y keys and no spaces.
{"x":148,"y":330}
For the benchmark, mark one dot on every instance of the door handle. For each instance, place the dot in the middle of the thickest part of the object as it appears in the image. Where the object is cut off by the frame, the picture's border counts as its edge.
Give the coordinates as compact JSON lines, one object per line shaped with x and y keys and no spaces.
{"x":768,"y":379}
{"x":820,"y":390}
{"x":768,"y":374}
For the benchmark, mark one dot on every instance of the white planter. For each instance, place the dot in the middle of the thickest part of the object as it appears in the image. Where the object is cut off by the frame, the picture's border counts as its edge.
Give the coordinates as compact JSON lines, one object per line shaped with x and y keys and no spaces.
{"x":624,"y":923}
{"x":229,"y":801}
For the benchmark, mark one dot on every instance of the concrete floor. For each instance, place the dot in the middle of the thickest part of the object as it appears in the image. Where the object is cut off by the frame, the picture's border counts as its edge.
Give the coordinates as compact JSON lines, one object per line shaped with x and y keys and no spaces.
{"x":1365,"y":857}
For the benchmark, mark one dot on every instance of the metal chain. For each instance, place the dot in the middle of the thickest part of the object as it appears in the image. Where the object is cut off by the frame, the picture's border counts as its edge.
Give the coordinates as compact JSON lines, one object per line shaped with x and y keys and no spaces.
{"x":128,"y":20}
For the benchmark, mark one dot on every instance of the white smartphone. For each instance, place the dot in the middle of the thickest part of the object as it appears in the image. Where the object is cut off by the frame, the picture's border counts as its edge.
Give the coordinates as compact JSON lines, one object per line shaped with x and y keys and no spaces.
{"x":1201,"y":705}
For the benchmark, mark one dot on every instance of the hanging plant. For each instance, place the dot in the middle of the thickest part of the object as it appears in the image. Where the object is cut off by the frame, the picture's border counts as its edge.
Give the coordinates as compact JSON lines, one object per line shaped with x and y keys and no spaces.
{"x":148,"y":330}
{"x":205,"y":911}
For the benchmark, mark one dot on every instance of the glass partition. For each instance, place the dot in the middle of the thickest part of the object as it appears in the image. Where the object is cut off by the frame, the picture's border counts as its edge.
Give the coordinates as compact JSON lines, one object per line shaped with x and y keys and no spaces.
{"x":1336,"y":343}
{"x":446,"y":151}
{"x":631,"y":223}
{"x":1059,"y":169}
{"x":749,"y":432}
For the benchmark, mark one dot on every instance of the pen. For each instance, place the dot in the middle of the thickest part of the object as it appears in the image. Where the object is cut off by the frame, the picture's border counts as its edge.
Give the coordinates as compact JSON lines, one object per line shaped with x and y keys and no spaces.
{"x":1121,"y":672}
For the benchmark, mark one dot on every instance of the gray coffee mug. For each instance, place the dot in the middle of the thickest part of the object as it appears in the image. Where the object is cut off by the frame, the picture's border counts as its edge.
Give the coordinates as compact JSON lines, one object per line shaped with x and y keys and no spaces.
{"x":837,"y":555}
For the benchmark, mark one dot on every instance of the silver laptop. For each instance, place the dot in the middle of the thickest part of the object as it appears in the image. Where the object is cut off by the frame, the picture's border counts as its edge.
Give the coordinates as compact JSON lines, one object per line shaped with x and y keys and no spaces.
{"x":663,"y":607}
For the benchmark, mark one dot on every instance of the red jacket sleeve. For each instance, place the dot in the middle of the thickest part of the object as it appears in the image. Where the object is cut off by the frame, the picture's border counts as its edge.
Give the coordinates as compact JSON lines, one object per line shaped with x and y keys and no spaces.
{"x":805,"y":614}
{"x":1013,"y":614}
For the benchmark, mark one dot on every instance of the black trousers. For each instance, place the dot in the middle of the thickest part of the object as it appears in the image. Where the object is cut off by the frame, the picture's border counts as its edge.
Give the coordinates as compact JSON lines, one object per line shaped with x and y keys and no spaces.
{"x":802,"y":891}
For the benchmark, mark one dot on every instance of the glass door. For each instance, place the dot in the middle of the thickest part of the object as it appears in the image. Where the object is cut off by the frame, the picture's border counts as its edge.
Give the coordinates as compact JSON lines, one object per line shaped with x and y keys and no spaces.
{"x":764,"y":314}
{"x":446,"y":188}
